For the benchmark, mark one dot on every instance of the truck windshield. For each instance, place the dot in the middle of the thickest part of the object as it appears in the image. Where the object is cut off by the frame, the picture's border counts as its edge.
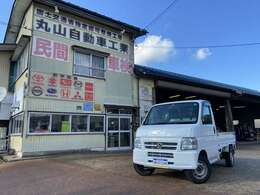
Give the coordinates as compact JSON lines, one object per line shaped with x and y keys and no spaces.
{"x":175,"y":113}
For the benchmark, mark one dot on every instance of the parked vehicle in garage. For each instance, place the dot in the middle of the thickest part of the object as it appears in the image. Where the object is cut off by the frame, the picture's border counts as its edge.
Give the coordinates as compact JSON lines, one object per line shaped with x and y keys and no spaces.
{"x":182,"y":136}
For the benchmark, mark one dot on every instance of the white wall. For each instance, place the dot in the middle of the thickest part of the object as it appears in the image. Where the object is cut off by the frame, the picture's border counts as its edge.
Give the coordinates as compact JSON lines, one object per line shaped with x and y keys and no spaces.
{"x":42,"y":143}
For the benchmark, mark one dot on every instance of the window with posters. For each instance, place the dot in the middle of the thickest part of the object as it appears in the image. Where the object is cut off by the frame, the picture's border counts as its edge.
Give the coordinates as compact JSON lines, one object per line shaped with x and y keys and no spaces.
{"x":79,"y":123}
{"x":53,"y":123}
{"x":60,"y":123}
{"x":39,"y":123}
{"x":96,"y":123}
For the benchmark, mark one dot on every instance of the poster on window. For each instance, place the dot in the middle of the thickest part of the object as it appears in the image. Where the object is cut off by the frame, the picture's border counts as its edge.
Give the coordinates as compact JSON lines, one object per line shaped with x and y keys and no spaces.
{"x":146,"y":93}
{"x":60,"y":86}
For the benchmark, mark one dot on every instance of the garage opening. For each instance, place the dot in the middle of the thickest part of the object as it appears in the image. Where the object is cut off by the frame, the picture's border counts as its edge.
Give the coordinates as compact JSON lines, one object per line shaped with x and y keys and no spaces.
{"x":241,"y":116}
{"x":246,"y":117}
{"x":235,"y":108}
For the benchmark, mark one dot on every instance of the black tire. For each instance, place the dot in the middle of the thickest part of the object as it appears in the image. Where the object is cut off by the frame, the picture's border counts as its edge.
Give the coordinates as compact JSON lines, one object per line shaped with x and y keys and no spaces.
{"x":202,"y":173}
{"x":230,"y":157}
{"x":143,"y":171}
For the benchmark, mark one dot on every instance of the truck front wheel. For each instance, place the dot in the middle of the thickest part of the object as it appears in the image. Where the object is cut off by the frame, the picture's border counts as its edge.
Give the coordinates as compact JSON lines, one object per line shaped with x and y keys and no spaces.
{"x":143,"y":171}
{"x":202,"y":173}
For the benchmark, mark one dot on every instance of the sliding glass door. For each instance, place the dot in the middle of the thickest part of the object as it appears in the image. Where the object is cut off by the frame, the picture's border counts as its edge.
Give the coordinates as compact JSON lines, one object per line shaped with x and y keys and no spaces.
{"x":119,"y":132}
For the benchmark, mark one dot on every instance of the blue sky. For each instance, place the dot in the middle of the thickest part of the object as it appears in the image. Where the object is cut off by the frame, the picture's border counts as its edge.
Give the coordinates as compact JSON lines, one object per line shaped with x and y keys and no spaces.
{"x":192,"y":23}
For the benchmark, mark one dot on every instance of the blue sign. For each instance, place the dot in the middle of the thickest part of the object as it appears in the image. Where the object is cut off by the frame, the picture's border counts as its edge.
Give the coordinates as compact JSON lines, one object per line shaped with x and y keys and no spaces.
{"x":88,"y":106}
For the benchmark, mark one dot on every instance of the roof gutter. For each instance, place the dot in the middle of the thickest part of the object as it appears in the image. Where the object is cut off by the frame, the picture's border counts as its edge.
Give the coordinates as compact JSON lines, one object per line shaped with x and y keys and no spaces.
{"x":7,"y":47}
{"x":8,"y":25}
{"x":15,"y":20}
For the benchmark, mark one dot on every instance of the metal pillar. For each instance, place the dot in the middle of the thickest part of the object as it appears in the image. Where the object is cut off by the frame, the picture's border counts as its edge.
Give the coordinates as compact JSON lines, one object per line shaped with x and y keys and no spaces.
{"x":229,"y":116}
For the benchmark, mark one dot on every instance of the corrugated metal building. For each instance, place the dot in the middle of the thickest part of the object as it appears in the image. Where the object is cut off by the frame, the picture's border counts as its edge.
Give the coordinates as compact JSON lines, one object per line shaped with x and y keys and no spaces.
{"x":235,"y":108}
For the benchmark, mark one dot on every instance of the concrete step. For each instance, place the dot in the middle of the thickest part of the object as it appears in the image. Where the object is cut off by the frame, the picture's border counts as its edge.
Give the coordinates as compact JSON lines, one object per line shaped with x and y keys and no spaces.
{"x":9,"y":158}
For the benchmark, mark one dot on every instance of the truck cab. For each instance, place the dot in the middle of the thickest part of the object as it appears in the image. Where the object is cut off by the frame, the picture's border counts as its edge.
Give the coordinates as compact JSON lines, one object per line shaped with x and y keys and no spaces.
{"x":182,"y":136}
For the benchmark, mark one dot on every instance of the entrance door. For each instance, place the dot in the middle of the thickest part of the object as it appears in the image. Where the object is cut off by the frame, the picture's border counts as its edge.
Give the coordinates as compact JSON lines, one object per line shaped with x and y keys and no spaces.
{"x":3,"y":139}
{"x":119,"y":132}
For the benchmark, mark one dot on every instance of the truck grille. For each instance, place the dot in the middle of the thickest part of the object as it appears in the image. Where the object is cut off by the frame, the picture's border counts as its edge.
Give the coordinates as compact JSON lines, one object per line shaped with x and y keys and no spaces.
{"x":160,"y":154}
{"x":161,"y":145}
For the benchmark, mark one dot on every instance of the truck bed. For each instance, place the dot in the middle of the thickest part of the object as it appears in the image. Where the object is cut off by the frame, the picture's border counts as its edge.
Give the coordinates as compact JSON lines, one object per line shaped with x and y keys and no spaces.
{"x":226,"y":138}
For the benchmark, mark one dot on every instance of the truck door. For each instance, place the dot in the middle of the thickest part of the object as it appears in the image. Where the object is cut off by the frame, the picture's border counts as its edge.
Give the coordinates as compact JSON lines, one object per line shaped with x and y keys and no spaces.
{"x":209,"y":132}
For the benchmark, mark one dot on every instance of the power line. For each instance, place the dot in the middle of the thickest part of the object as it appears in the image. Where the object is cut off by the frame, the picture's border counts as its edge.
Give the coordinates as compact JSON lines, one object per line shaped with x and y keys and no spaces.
{"x":174,"y":2}
{"x":204,"y":46}
{"x":178,"y":47}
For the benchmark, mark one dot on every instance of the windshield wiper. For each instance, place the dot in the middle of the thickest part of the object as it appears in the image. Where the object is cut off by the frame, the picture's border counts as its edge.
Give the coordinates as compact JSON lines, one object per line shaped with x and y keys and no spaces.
{"x":162,"y":123}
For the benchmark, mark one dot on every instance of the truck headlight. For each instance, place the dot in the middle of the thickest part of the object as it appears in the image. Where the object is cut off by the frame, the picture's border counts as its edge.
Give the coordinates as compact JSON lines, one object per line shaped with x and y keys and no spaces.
{"x":138,"y":143}
{"x":189,"y":143}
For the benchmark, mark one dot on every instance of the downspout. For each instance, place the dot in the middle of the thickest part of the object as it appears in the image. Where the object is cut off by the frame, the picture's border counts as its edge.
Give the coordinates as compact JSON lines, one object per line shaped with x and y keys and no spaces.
{"x":26,"y":114}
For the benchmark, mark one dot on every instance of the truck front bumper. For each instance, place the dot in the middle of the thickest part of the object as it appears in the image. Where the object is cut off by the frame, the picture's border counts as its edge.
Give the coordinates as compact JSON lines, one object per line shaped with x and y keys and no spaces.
{"x":178,"y":160}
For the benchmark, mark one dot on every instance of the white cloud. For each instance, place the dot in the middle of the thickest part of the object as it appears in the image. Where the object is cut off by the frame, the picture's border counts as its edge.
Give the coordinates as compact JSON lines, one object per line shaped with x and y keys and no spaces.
{"x":153,"y":49}
{"x":202,"y":53}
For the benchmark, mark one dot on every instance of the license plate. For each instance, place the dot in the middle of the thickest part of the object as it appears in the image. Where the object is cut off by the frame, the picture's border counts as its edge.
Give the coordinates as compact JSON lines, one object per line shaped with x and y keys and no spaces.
{"x":160,"y":161}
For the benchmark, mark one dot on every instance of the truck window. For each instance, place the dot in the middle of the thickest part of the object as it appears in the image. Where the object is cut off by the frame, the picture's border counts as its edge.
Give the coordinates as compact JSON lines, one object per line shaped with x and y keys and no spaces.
{"x":206,"y":115}
{"x":175,"y":113}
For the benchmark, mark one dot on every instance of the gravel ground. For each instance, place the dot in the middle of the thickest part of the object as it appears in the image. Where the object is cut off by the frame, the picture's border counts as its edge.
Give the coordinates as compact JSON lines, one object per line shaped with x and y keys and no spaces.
{"x":114,"y":174}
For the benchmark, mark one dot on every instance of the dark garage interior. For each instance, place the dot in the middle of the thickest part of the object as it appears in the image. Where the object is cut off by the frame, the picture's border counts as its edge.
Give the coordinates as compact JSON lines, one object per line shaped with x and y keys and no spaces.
{"x":234,"y":108}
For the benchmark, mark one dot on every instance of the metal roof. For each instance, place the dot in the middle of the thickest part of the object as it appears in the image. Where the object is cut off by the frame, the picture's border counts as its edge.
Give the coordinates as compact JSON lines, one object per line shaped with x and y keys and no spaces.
{"x":15,"y":20}
{"x":20,"y":6}
{"x":157,"y":74}
{"x":95,"y":16}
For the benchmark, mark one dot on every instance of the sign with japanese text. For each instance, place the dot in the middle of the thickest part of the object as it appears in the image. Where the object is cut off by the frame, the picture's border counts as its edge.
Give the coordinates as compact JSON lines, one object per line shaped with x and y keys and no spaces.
{"x":60,"y":25}
{"x":50,"y":49}
{"x":70,"y":28}
{"x":117,"y":64}
{"x":58,"y":86}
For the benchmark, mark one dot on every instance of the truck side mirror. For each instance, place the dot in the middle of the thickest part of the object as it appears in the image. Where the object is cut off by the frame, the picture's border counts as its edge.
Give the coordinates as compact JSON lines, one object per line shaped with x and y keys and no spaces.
{"x":206,"y":120}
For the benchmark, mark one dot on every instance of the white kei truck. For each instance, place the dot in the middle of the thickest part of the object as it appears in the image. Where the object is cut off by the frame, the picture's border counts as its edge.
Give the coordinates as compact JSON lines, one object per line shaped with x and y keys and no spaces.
{"x":182,"y":136}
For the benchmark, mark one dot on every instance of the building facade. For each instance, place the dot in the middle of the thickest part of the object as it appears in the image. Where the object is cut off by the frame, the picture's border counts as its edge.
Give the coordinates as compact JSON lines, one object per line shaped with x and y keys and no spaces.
{"x":70,"y":83}
{"x":72,"y":80}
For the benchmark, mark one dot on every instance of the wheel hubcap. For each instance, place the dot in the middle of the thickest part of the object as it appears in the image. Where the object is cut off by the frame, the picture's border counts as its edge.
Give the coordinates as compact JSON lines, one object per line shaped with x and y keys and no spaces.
{"x":201,"y":171}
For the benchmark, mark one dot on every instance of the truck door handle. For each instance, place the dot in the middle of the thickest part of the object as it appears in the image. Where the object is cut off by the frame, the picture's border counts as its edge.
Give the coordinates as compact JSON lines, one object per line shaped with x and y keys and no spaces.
{"x":214,"y":129}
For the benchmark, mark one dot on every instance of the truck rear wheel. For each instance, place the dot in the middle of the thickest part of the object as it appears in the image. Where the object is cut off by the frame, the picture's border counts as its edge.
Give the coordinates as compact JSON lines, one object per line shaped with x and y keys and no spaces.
{"x":202,"y":173}
{"x":230,"y":157}
{"x":143,"y":171}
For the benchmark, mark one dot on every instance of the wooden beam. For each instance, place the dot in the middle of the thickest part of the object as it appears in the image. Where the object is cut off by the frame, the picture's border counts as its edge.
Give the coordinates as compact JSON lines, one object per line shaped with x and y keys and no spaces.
{"x":193,"y":89}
